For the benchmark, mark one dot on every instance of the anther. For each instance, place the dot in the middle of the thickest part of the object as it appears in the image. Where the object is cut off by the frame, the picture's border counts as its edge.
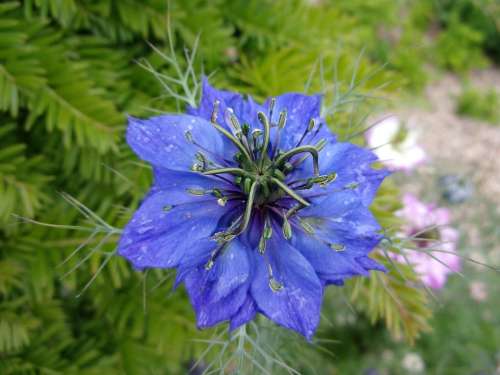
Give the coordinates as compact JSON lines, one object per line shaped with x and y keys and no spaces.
{"x":167,"y":207}
{"x":287,"y":228}
{"x":215,"y":112}
{"x":231,"y":119}
{"x":352,"y":185}
{"x":311,"y":125}
{"x":245,"y":128}
{"x":306,"y":226}
{"x":337,"y":246}
{"x":209,"y":264}
{"x":282,"y":119}
{"x":271,"y":108}
{"x":197,"y":167}
{"x":262,"y":244}
{"x":189,"y":136}
{"x":287,"y":167}
{"x":275,"y":285}
{"x":196,"y":191}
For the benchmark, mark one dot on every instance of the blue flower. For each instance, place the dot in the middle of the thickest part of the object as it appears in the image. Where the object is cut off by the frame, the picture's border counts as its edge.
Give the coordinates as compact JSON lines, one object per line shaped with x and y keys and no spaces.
{"x":256,"y":206}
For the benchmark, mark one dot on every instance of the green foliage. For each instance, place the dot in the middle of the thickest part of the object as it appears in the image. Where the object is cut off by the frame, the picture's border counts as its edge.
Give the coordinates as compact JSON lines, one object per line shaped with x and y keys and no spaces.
{"x":70,"y":72}
{"x":481,"y":105}
{"x":464,"y":58}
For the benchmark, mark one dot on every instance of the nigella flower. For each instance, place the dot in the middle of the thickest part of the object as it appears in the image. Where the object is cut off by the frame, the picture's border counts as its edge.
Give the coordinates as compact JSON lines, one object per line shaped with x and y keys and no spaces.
{"x":256,"y":206}
{"x":429,"y":227}
{"x":395,"y":144}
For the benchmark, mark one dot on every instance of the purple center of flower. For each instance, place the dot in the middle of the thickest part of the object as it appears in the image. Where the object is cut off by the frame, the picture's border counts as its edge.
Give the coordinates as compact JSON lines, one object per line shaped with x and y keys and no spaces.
{"x":260,"y":177}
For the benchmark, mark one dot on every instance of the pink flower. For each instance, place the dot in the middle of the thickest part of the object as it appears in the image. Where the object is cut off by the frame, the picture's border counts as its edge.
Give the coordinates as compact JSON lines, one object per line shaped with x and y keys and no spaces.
{"x":429,"y":226}
{"x":478,"y":291}
{"x":395,"y":145}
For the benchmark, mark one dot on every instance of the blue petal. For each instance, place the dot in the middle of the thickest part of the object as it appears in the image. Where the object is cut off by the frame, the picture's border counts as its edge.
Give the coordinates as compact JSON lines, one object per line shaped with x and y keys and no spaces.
{"x":370,"y":264}
{"x":178,"y":184}
{"x":245,"y":314}
{"x":297,"y":306}
{"x":162,"y":140}
{"x":217,"y":294}
{"x":159,"y":234}
{"x":342,"y":219}
{"x":300,"y":110}
{"x":354,"y":172}
{"x":332,"y":266}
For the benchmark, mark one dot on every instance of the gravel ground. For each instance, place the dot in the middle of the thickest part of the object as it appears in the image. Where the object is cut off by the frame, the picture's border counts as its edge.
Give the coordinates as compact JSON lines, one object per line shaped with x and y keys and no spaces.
{"x":455,"y":144}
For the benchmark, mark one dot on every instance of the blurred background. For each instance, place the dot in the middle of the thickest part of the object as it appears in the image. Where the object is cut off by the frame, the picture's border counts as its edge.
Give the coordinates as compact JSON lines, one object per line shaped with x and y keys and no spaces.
{"x":72,"y":70}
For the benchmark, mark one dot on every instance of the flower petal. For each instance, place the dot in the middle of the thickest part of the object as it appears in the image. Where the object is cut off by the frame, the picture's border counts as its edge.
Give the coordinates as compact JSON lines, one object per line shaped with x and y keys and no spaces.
{"x":159,"y":234}
{"x":217,"y":294}
{"x":246,"y":313}
{"x":164,"y":140}
{"x":352,"y":164}
{"x":296,"y":306}
{"x":300,"y":110}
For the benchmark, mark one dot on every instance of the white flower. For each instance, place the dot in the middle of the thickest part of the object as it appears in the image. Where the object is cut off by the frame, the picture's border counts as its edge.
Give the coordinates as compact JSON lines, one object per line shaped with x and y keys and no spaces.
{"x":395,"y":144}
{"x":412,"y":362}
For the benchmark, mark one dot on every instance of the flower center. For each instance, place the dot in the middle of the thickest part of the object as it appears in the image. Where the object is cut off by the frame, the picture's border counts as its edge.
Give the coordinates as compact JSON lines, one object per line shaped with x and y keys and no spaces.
{"x":262,"y":176}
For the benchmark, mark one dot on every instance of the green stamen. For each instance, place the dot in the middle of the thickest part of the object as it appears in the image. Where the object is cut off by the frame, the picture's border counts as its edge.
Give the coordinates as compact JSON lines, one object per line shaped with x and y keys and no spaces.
{"x":290,"y":192}
{"x":267,"y":132}
{"x":299,"y":150}
{"x":233,"y":171}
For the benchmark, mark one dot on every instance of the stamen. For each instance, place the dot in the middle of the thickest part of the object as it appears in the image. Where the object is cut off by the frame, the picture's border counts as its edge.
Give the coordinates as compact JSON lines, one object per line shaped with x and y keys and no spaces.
{"x":306,"y":226}
{"x":189,"y":136}
{"x":299,"y":150}
{"x":215,"y":112}
{"x":287,"y":228}
{"x":238,"y":131}
{"x":230,"y":234}
{"x":267,"y":131}
{"x":337,"y":246}
{"x":228,"y":135}
{"x":213,"y":256}
{"x":307,"y":130}
{"x":233,"y":120}
{"x":222,"y":201}
{"x":267,"y":233}
{"x":233,"y":171}
{"x":168,"y":207}
{"x":274,"y":284}
{"x":281,"y":125}
{"x":282,"y":119}
{"x":248,"y":209}
{"x":196,"y":191}
{"x":271,"y":108}
{"x":292,"y":211}
{"x":279,"y":175}
{"x":197,"y":167}
{"x":247,"y":185}
{"x":289,"y":191}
